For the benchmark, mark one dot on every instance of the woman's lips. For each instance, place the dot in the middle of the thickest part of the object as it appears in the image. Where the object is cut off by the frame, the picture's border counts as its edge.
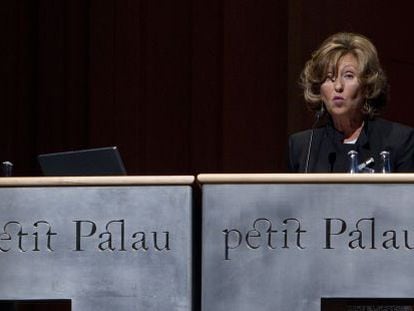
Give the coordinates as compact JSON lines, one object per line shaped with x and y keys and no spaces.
{"x":338,"y":101}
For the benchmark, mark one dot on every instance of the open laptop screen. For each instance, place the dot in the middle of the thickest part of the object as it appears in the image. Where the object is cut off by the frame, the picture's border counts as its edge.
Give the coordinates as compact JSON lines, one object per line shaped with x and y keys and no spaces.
{"x":88,"y":162}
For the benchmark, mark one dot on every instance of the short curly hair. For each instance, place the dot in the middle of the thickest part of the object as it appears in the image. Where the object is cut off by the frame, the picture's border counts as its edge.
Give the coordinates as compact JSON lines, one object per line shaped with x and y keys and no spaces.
{"x":326,"y":58}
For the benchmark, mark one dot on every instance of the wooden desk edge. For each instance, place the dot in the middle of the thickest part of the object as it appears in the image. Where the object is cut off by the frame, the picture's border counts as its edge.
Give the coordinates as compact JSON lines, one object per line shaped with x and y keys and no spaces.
{"x":304,"y":178}
{"x":204,"y":179}
{"x":95,"y":181}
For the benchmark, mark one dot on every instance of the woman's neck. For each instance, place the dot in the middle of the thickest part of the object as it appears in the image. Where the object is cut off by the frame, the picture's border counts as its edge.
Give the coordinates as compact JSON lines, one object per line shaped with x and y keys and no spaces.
{"x":350,"y":127}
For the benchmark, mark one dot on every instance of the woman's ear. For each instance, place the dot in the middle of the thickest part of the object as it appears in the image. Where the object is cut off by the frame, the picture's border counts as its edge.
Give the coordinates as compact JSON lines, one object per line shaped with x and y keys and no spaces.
{"x":365,"y":92}
{"x":321,"y":110}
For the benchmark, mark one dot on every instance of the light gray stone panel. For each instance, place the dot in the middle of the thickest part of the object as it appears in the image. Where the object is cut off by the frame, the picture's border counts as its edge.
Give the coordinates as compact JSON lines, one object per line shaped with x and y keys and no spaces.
{"x":85,"y":269}
{"x":286,"y":277}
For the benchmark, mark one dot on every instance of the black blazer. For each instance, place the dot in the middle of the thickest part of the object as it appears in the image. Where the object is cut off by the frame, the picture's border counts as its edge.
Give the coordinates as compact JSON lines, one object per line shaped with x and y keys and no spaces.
{"x":329,"y":154}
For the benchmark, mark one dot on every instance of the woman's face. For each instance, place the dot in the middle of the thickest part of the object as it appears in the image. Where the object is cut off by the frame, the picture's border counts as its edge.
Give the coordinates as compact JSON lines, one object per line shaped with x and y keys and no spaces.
{"x":342,"y":94}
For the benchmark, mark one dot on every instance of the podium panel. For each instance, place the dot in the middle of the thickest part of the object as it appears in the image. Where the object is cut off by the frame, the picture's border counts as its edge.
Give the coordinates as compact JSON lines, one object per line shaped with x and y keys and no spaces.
{"x":287,"y":242}
{"x":105,"y":244}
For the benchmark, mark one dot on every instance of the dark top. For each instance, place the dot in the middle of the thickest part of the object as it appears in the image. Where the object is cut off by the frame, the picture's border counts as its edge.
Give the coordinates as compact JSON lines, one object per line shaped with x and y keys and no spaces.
{"x":329,"y":154}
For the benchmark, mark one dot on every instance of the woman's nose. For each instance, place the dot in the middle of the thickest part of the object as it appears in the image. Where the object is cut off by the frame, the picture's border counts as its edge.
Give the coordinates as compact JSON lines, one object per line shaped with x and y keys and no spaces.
{"x":338,"y":85}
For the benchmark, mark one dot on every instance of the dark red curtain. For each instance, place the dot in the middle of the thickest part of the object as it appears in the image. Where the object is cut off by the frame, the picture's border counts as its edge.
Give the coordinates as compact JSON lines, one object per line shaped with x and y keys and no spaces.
{"x":181,"y":87}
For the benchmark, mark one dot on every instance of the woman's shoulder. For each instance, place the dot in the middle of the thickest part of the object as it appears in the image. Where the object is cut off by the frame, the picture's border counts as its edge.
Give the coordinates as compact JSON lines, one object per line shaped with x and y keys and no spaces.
{"x":390,"y":133}
{"x":305,"y":134}
{"x":390,"y":127}
{"x":300,"y":135}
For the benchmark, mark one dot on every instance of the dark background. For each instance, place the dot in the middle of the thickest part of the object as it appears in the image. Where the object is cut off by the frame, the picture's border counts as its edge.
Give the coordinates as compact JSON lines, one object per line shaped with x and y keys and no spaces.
{"x":183,"y":86}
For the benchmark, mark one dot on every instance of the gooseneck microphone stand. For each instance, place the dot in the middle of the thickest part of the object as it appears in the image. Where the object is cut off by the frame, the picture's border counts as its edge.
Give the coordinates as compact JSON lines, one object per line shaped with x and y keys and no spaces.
{"x":318,"y":116}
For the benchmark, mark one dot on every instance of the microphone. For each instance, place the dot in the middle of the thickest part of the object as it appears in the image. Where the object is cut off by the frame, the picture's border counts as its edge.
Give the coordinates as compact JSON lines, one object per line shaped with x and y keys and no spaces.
{"x":7,"y":168}
{"x":318,"y":115}
{"x":331,"y":159}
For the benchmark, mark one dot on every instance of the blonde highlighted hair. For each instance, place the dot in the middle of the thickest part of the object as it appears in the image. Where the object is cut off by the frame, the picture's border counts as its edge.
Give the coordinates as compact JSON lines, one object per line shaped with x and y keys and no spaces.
{"x":371,"y":76}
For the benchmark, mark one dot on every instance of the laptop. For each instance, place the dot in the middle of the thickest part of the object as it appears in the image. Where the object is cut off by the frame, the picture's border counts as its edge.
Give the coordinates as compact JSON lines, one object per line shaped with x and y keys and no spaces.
{"x":87,"y":162}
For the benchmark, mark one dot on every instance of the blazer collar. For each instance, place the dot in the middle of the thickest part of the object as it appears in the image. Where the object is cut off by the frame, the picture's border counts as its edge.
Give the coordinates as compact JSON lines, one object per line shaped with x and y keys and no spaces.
{"x":337,"y":137}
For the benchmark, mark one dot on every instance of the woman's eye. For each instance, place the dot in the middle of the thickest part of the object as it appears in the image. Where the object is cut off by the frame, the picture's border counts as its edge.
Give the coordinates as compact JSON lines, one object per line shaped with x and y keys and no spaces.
{"x":349,"y":75}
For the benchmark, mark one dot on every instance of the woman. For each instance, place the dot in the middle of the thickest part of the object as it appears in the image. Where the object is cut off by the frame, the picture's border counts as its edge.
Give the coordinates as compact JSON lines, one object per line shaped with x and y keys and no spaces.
{"x":345,"y":85}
